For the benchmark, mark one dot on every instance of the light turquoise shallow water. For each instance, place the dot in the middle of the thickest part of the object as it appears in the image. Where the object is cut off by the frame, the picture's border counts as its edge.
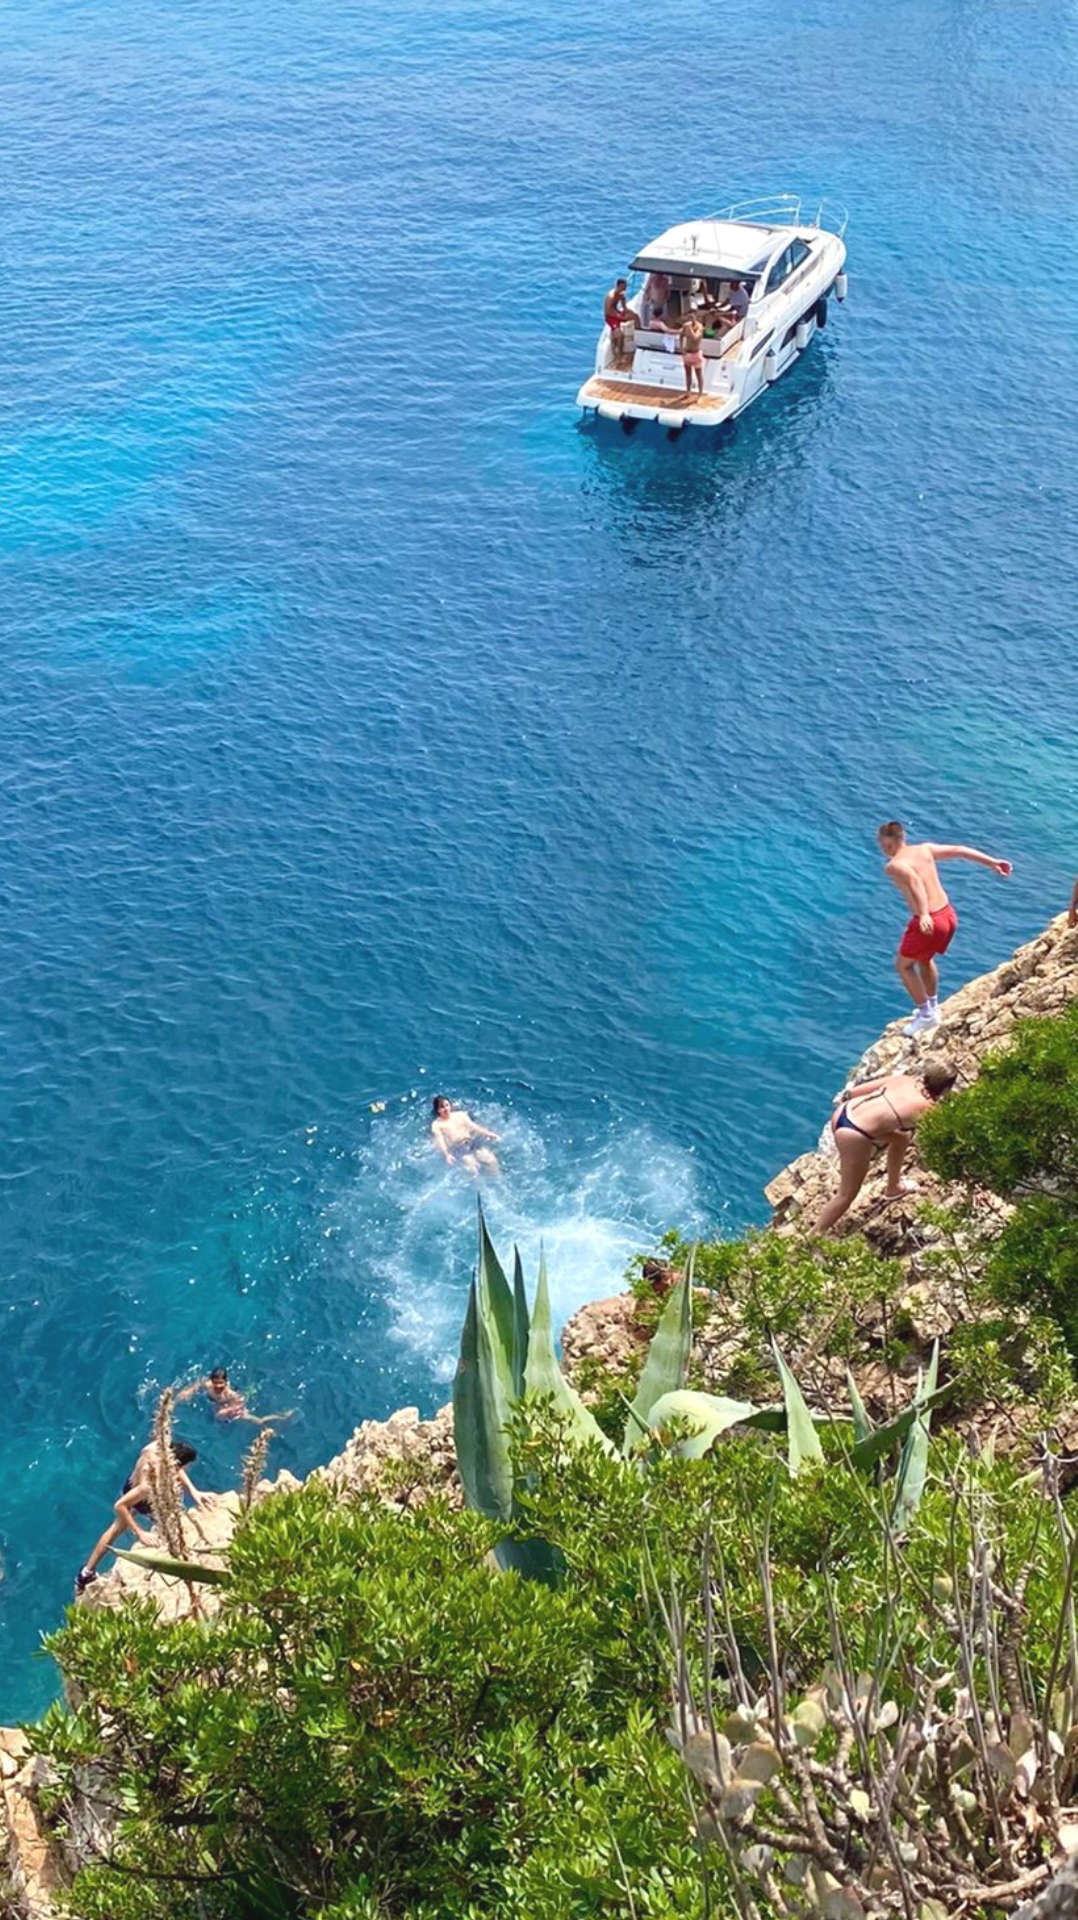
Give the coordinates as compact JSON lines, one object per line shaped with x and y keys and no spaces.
{"x":368,"y":728}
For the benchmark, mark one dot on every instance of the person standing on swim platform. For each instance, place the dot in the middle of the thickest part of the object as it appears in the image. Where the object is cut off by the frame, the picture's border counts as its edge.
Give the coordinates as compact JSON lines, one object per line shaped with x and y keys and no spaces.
{"x":934,"y":920}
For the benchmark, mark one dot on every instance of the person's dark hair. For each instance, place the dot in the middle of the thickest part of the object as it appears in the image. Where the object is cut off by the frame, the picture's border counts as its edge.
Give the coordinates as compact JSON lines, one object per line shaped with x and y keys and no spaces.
{"x":891,"y":830}
{"x":938,"y":1077}
{"x":219,"y":1373}
{"x":182,"y":1453}
{"x":439,"y":1100}
{"x":621,"y":281}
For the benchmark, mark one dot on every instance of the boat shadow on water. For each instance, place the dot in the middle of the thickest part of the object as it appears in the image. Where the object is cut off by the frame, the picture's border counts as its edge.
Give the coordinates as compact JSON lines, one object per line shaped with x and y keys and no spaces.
{"x":650,"y":461}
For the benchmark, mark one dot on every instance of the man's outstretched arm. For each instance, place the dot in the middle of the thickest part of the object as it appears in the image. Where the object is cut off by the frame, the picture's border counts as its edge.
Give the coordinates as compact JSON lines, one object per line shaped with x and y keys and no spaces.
{"x":979,"y":859}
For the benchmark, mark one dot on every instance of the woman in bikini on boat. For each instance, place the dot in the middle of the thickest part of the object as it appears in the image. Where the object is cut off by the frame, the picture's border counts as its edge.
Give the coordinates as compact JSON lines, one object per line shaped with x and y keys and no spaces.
{"x":878,"y":1114}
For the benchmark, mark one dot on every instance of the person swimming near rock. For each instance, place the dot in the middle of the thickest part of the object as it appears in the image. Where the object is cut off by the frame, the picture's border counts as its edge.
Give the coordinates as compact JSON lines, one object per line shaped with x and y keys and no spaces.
{"x":456,"y":1136}
{"x":227,"y":1402}
{"x":878,"y":1114}
{"x":137,"y":1498}
{"x":934,"y":920}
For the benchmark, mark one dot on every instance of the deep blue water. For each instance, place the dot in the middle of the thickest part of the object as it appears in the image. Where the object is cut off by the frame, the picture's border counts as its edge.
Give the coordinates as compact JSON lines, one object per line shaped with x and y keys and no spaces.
{"x":369,"y":729}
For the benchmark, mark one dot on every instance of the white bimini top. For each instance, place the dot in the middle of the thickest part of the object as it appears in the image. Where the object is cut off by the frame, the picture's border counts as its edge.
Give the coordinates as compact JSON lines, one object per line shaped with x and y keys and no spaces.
{"x":715,"y":249}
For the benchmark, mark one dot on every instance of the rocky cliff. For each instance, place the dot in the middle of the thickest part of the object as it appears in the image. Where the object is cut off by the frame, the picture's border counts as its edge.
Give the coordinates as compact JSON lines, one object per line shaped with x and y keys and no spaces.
{"x":405,"y":1457}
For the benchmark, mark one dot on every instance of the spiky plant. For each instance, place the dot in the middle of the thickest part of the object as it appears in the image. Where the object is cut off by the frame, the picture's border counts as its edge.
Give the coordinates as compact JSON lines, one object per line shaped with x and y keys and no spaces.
{"x":167,"y":1501}
{"x":935,"y":1783}
{"x":254,"y":1461}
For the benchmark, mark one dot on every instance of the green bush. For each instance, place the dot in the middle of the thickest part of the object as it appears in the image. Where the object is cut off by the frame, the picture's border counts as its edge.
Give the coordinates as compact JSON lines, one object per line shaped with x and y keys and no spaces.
{"x":380,"y":1725}
{"x":1035,"y":1262}
{"x":1016,"y":1129}
{"x":376,"y":1723}
{"x":769,"y":1287}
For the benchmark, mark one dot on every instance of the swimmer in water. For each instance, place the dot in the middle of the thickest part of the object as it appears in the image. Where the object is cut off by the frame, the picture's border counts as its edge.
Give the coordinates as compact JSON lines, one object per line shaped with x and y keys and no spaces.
{"x":227,"y":1403}
{"x":456,"y":1136}
{"x":137,"y":1498}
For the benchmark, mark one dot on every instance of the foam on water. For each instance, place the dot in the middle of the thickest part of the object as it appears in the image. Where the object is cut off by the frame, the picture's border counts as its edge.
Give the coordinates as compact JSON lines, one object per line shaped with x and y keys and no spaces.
{"x":591,"y":1197}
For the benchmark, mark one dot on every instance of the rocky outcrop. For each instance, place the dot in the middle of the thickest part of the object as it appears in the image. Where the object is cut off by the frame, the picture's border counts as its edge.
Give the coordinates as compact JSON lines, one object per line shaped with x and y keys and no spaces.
{"x":405,"y":1459}
{"x":605,"y":1335}
{"x":32,"y":1867}
{"x":1040,"y":978}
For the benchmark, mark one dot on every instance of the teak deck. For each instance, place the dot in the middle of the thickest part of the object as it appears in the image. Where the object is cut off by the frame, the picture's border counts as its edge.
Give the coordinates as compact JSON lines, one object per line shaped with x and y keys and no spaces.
{"x":669,"y":398}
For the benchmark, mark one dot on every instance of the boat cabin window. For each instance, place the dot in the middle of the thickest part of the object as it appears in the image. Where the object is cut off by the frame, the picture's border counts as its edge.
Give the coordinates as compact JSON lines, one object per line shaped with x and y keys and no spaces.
{"x":786,"y":264}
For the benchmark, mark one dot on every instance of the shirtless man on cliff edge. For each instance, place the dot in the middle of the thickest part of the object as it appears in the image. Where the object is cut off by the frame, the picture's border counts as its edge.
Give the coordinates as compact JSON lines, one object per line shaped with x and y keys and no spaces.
{"x":932,"y":925}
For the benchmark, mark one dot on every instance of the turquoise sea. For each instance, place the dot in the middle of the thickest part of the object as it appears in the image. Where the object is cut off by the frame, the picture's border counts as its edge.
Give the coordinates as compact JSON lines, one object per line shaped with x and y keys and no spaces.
{"x":369,"y":730}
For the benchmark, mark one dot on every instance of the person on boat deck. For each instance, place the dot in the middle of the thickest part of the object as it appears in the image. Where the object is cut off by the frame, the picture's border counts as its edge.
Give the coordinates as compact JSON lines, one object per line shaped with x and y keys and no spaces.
{"x":736,"y":307}
{"x":615,"y":306}
{"x":692,"y":352}
{"x":934,"y":921}
{"x":878,"y":1114}
{"x":137,"y":1498}
{"x":654,"y":298}
{"x":457,"y":1137}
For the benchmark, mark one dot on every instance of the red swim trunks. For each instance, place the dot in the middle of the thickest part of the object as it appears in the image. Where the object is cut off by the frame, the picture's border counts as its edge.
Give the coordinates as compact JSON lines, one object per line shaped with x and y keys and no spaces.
{"x":928,"y":946}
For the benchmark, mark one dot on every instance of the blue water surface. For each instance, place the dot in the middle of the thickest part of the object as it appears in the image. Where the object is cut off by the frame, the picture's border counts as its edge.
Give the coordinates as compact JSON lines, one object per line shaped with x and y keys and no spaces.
{"x":369,"y":729}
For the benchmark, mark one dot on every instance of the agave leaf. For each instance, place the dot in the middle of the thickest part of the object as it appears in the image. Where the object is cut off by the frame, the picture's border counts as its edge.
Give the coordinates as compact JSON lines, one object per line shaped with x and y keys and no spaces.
{"x":862,"y":1425}
{"x":913,"y":1466}
{"x":668,"y":1357}
{"x":163,"y":1563}
{"x":881,"y":1440}
{"x":542,"y":1374}
{"x":531,"y":1559}
{"x":520,"y":1325}
{"x":770,"y":1419}
{"x":710,"y":1413}
{"x":480,"y":1411}
{"x":497,"y":1308}
{"x":804,"y":1441}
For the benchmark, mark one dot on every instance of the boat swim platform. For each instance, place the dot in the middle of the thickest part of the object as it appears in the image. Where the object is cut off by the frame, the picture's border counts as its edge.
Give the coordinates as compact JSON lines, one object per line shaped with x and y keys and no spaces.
{"x":670,"y":406}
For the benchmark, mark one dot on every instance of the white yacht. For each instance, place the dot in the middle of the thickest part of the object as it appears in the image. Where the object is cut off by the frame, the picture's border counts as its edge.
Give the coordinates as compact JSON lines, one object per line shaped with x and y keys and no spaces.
{"x":758,"y":277}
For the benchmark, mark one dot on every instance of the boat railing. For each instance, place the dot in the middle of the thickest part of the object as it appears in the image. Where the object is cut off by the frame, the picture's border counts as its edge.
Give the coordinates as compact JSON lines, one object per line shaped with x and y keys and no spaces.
{"x":832,"y":215}
{"x":785,"y":210}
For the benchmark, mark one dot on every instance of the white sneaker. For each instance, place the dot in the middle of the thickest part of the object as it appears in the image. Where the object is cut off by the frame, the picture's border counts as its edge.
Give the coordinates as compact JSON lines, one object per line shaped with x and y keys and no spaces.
{"x":923,"y":1021}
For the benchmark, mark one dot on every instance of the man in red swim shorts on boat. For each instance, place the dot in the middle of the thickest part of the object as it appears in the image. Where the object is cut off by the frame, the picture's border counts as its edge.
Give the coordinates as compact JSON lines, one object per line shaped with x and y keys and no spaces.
{"x":932,"y":926}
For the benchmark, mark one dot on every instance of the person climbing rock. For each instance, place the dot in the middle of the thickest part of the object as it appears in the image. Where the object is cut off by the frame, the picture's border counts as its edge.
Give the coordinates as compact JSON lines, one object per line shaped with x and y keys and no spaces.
{"x":933,"y":920}
{"x":137,"y":1499}
{"x":878,"y":1114}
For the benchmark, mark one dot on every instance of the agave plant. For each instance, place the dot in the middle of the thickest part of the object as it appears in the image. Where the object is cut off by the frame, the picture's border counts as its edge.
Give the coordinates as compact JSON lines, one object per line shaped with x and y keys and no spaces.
{"x":507,"y":1356}
{"x":691,"y":1422}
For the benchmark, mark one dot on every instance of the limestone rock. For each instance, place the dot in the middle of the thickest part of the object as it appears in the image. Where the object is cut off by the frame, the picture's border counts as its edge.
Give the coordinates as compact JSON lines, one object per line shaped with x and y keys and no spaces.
{"x":404,"y":1459}
{"x":32,"y":1868}
{"x":605,"y":1332}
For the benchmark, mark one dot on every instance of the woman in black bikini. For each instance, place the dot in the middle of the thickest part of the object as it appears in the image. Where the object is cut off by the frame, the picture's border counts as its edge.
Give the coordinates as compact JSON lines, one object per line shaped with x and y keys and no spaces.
{"x":881,"y":1113}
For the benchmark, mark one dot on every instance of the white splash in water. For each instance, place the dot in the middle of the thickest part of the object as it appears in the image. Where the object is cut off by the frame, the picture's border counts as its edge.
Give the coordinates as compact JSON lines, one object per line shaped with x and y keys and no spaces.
{"x":592,"y":1202}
